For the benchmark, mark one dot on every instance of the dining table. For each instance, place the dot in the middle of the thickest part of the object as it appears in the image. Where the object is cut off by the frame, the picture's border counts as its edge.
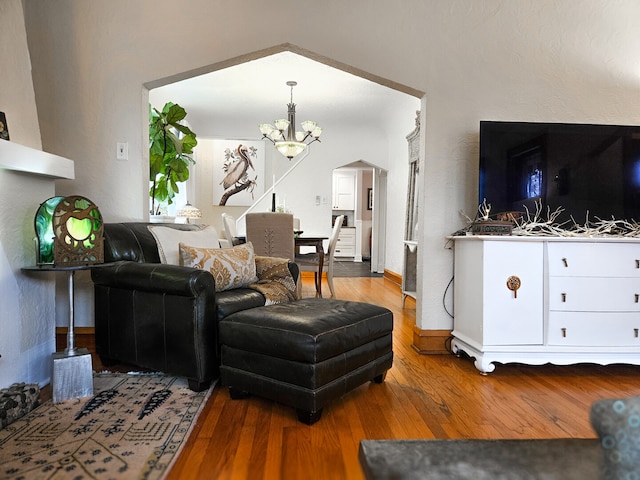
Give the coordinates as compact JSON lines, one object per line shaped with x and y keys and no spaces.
{"x":306,"y":241}
{"x":301,"y":241}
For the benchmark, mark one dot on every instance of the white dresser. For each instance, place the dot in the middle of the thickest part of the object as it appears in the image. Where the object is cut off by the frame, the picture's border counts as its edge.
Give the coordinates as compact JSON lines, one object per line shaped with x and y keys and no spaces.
{"x":346,"y":246}
{"x":537,"y":300}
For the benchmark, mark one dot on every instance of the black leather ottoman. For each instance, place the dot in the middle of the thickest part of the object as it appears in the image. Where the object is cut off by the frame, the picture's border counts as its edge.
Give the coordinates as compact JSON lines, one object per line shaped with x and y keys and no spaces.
{"x":305,"y":353}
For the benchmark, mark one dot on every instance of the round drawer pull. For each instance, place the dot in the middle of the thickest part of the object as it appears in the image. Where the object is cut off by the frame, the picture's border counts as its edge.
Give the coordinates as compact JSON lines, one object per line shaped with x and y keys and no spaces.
{"x":513,"y":284}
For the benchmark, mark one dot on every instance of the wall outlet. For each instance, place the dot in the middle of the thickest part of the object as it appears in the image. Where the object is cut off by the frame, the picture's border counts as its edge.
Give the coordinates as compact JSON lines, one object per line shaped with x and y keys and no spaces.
{"x":122,"y":151}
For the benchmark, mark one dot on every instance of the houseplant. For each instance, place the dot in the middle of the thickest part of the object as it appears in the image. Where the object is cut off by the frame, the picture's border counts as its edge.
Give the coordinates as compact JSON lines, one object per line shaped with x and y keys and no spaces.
{"x":170,"y":153}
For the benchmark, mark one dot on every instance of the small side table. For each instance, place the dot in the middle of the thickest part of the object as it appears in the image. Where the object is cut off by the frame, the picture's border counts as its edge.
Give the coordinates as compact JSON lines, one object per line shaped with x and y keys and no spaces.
{"x":72,"y":369}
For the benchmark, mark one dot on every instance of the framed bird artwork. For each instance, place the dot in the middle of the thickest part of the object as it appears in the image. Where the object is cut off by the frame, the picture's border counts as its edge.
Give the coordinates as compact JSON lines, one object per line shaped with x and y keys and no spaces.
{"x":238,"y":172}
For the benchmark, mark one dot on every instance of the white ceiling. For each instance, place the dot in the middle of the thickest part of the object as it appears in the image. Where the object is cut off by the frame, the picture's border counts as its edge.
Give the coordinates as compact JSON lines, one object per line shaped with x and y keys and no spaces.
{"x":256,"y":92}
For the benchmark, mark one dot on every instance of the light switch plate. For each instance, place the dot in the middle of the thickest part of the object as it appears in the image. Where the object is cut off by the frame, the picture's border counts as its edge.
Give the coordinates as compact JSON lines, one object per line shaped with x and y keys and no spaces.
{"x":122,"y":151}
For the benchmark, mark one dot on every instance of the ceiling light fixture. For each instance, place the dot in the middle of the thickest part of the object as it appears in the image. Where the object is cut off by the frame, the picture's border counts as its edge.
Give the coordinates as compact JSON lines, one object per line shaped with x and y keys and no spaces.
{"x":283,"y":135}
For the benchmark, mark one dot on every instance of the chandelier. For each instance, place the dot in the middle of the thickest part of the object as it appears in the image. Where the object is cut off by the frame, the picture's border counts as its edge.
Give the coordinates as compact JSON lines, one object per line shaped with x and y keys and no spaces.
{"x":283,"y":135}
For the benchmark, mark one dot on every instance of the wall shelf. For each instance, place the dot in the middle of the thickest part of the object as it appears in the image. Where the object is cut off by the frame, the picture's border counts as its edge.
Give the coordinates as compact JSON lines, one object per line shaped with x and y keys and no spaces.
{"x":19,"y":158}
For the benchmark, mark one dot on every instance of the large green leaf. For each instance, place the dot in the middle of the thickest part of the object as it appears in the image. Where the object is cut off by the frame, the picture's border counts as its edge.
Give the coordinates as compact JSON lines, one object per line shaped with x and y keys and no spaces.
{"x":188,"y":142}
{"x":173,"y":113}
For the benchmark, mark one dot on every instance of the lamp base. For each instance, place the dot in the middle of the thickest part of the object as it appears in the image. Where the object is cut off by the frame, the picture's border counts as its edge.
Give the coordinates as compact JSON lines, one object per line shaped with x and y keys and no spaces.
{"x":72,"y":375}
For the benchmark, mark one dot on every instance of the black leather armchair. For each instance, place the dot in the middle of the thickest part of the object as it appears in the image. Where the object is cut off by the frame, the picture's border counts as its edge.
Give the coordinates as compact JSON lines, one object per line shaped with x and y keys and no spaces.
{"x":158,"y":316}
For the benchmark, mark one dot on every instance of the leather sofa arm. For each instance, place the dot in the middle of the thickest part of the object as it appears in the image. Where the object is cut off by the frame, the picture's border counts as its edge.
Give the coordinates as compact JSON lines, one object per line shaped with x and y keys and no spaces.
{"x":154,"y":277}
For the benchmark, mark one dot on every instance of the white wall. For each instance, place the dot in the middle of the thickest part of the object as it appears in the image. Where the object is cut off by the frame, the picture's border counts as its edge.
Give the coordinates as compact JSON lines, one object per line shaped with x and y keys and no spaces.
{"x":27,"y":313}
{"x":544,"y":60}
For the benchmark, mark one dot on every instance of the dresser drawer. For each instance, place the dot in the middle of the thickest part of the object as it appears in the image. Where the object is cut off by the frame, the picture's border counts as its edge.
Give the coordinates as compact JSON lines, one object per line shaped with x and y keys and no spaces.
{"x":347,"y":237}
{"x":347,"y":233}
{"x":345,"y":250}
{"x":346,"y":244}
{"x":598,"y":294}
{"x":593,"y":259}
{"x":594,"y":329}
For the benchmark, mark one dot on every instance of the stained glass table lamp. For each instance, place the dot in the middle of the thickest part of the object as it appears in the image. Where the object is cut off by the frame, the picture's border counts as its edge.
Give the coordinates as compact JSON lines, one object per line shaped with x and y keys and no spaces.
{"x":69,"y":232}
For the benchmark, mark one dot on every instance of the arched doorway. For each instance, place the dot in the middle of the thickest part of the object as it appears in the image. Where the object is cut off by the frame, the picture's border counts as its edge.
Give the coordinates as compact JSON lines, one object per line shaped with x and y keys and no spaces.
{"x":366,"y":215}
{"x":310,"y":194}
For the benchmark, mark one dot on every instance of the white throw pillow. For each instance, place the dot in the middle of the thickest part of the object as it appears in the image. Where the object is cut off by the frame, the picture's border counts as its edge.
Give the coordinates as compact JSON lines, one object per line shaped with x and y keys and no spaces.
{"x":169,"y":239}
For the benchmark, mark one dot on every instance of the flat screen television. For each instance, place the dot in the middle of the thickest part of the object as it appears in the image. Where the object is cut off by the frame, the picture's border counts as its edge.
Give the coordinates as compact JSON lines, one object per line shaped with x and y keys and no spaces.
{"x":579,"y":167}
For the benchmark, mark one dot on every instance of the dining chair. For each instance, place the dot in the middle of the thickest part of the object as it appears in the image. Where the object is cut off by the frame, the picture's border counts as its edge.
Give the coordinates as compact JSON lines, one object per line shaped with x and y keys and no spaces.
{"x":308,"y":262}
{"x":271,"y":234}
{"x":229,"y":228}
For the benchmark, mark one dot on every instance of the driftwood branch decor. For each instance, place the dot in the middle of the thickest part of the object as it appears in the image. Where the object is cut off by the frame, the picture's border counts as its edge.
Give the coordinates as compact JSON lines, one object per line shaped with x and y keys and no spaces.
{"x":543,"y":222}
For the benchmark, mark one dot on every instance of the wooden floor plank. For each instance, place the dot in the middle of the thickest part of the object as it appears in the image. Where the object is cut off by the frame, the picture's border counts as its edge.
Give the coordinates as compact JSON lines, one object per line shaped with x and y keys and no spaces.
{"x":274,"y":434}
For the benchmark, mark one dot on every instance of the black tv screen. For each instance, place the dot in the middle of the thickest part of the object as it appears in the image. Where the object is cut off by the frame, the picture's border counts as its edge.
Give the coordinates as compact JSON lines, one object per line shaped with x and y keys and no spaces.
{"x":578,"y":167}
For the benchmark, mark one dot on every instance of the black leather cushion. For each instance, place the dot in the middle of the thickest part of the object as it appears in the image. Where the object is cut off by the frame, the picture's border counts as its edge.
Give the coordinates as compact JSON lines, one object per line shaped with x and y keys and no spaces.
{"x":236,"y":300}
{"x":133,"y":241}
{"x":309,"y":330}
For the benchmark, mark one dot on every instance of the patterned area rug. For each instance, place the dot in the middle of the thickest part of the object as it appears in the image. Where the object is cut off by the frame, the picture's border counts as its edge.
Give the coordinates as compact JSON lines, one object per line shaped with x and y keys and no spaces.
{"x":133,"y":427}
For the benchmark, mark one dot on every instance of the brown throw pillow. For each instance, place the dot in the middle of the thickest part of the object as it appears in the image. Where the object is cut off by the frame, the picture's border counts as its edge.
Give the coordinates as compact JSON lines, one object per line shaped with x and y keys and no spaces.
{"x":231,"y":267}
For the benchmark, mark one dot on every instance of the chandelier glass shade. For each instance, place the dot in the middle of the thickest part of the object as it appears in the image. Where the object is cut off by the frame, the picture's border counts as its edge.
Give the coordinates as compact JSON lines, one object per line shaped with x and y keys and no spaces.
{"x":283,"y":135}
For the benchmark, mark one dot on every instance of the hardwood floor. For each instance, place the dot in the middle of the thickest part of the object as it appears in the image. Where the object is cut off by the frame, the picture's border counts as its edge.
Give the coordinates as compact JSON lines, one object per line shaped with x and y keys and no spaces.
{"x":423,"y":396}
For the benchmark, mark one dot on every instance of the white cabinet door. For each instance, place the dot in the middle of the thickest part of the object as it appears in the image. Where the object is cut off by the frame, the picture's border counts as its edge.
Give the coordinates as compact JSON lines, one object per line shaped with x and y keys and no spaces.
{"x":513,"y":317}
{"x":486,"y":310}
{"x":344,"y":185}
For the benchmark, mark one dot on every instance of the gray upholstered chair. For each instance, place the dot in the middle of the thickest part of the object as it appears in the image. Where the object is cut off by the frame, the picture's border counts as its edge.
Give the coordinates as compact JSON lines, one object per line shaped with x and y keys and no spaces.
{"x":271,"y":234}
{"x":308,"y":262}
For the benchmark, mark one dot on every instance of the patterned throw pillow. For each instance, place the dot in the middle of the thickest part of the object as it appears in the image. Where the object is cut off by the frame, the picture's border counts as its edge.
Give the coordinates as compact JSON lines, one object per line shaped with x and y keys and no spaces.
{"x":168,"y":239}
{"x":231,"y":267}
{"x":16,"y":401}
{"x":617,"y":423}
{"x":274,"y":280}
